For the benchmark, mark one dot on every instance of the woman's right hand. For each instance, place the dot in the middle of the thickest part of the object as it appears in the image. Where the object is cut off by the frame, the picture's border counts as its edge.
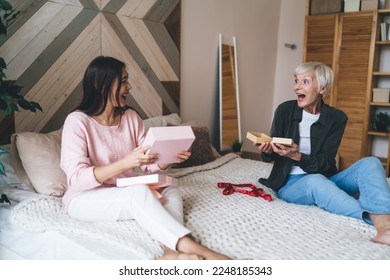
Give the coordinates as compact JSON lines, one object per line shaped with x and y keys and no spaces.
{"x":135,"y":158}
{"x":138,"y":157}
{"x":264,"y":147}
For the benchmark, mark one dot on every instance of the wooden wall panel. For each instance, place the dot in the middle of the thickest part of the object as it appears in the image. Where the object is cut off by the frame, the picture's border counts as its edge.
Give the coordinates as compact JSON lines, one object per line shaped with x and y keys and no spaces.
{"x":137,"y":8}
{"x":149,"y":48}
{"x":50,"y":43}
{"x":38,"y":40}
{"x":143,"y":91}
{"x":60,"y":80}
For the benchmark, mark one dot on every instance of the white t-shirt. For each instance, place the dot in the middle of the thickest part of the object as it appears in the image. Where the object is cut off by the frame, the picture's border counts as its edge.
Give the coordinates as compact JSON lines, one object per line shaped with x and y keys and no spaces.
{"x":304,"y":140}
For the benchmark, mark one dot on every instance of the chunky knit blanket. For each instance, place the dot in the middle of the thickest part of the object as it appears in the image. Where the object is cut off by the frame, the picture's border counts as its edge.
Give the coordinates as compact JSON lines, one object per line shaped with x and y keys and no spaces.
{"x":238,"y":225}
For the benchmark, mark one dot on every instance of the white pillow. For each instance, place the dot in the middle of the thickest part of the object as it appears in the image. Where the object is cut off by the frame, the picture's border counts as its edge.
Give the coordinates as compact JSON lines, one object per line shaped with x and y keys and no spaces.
{"x":10,"y":179}
{"x":36,"y":160}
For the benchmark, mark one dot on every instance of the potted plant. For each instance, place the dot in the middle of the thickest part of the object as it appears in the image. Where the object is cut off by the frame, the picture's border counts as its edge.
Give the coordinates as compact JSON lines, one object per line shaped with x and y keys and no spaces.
{"x":381,"y":121}
{"x":237,"y":145}
{"x":10,"y":98}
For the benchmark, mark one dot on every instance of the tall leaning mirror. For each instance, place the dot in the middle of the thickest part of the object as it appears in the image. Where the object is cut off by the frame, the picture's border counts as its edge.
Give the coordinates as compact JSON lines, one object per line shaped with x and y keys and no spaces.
{"x":229,"y":113}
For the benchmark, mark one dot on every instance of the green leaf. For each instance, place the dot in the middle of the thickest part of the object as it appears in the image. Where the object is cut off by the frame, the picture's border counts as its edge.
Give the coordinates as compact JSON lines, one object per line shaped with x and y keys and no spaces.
{"x":14,"y":89}
{"x":3,"y":29}
{"x":14,"y":107}
{"x":36,"y":105}
{"x":3,"y":105}
{"x":2,"y":152}
{"x":5,"y":5}
{"x":6,"y":96}
{"x":4,"y":198}
{"x":8,"y":110}
{"x":2,"y":63}
{"x":25,"y":104}
{"x":2,"y":169}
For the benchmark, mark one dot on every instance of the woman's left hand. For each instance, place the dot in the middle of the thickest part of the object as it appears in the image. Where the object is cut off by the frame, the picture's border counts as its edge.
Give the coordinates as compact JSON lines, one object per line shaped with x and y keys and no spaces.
{"x":287,"y":151}
{"x":182,"y":156}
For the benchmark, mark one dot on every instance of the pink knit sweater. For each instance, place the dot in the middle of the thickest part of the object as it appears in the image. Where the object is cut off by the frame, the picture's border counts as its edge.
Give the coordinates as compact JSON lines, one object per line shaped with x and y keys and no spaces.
{"x":86,"y":144}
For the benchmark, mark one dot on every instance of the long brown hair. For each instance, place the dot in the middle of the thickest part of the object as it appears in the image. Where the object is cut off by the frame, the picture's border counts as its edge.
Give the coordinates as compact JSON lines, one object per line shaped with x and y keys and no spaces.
{"x":99,"y":77}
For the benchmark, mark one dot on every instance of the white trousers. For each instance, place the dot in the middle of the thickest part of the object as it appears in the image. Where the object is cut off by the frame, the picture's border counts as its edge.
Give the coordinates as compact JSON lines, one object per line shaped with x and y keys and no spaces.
{"x":163,"y":220}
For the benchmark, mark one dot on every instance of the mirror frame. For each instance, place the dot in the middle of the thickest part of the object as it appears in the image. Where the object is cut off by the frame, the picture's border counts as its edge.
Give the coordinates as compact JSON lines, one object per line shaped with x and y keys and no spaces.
{"x":229,"y":114}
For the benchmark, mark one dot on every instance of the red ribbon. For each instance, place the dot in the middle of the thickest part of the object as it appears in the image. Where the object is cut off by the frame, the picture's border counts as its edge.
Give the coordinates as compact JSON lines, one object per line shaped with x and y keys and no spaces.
{"x":229,"y":188}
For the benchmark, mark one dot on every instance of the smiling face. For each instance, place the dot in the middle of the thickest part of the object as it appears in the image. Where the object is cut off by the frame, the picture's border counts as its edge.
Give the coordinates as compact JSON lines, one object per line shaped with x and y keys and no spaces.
{"x":308,"y":95}
{"x":124,"y":89}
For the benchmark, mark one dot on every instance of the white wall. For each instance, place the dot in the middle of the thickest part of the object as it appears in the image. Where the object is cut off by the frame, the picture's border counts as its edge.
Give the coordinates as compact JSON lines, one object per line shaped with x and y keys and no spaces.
{"x":265,"y":66}
{"x":291,"y":31}
{"x":255,"y":25}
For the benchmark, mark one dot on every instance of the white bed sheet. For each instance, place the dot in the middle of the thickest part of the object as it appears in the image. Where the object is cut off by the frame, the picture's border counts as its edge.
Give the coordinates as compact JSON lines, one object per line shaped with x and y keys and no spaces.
{"x":16,"y":243}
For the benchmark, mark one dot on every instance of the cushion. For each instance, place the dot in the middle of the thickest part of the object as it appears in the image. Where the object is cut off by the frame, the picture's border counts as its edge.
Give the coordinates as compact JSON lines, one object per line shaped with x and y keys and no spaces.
{"x":11,"y":179}
{"x":201,"y":149}
{"x":215,"y":152}
{"x":36,"y":160}
{"x":172,"y":119}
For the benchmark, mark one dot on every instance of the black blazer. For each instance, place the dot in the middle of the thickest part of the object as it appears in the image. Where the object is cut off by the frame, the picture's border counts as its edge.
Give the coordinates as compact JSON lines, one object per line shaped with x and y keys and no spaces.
{"x":325,"y":138}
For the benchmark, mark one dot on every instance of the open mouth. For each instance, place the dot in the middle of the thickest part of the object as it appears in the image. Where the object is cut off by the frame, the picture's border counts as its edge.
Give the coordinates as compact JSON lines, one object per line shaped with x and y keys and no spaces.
{"x":124,"y":95}
{"x":301,"y":97}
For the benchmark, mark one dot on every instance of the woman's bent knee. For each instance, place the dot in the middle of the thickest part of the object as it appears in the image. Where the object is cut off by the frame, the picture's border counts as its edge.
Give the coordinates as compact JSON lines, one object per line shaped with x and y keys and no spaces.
{"x":314,"y":179}
{"x":368,"y":162}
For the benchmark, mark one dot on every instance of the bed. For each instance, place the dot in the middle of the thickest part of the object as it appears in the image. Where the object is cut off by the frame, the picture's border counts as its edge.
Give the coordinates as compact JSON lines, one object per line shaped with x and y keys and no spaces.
{"x":238,"y":225}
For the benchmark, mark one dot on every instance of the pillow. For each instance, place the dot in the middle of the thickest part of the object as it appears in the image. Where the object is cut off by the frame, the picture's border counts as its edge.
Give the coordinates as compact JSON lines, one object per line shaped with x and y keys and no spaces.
{"x":215,"y":152}
{"x":36,"y":160}
{"x":201,"y":149}
{"x":10,"y":179}
{"x":172,"y":119}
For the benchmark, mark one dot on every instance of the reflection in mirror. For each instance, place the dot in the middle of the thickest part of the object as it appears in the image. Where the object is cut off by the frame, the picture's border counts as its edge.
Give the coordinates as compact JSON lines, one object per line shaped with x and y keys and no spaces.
{"x":230,"y":127}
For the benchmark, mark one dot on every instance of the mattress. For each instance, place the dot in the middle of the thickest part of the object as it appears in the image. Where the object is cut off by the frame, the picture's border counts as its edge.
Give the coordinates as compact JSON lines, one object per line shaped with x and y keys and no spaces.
{"x":237,"y":225}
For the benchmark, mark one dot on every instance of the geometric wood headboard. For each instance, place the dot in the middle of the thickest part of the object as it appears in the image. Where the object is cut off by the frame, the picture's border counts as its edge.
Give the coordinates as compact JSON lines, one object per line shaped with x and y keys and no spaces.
{"x":50,"y":43}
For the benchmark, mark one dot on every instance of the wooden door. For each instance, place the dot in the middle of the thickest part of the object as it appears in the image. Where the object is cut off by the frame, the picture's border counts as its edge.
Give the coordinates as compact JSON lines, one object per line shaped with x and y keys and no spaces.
{"x":320,"y":41}
{"x":345,"y":43}
{"x":352,"y":85}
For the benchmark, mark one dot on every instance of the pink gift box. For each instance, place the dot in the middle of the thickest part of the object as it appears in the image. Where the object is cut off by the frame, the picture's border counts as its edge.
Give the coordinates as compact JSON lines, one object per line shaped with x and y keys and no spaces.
{"x":169,"y":141}
{"x":154,"y":180}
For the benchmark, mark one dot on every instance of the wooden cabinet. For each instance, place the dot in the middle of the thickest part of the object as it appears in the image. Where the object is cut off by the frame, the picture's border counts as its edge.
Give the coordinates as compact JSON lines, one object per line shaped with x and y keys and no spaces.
{"x":350,"y":43}
{"x":345,"y":42}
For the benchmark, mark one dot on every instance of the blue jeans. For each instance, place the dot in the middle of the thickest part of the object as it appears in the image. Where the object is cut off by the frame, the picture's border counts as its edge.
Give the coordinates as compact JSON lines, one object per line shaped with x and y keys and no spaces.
{"x":338,"y":194}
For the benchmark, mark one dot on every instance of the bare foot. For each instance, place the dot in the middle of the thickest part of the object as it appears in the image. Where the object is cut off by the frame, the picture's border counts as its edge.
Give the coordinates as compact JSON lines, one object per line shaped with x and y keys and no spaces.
{"x":188,"y":245}
{"x":382,"y":237}
{"x":215,"y":256}
{"x":174,"y":255}
{"x":382,"y":224}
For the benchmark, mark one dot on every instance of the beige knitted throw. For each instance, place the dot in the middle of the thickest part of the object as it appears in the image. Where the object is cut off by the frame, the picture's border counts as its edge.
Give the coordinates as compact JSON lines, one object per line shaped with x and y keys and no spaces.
{"x":237,"y":225}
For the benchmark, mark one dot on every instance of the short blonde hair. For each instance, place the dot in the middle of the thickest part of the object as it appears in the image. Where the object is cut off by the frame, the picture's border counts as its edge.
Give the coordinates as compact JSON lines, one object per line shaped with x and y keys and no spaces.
{"x":323,"y":73}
